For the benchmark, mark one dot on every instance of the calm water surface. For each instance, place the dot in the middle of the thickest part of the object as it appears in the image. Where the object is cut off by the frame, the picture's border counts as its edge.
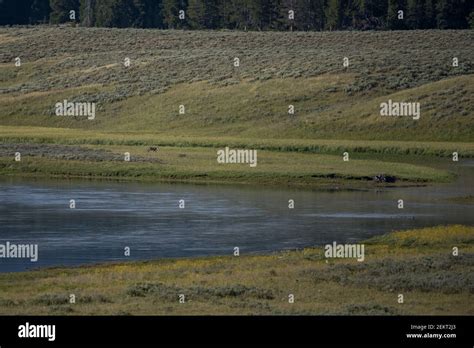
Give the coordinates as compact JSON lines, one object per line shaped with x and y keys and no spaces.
{"x":145,"y":217}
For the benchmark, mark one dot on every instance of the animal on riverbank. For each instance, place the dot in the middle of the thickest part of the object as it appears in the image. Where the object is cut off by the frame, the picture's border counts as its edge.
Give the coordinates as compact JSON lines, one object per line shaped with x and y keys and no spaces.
{"x":385,"y":178}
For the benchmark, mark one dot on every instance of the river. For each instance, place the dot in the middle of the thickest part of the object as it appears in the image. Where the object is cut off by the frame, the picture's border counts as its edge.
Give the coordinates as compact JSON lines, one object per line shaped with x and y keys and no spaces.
{"x":110,"y":216}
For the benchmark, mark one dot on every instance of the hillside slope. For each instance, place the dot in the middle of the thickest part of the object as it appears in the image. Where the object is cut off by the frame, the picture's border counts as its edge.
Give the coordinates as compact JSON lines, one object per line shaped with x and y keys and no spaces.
{"x":195,"y":69}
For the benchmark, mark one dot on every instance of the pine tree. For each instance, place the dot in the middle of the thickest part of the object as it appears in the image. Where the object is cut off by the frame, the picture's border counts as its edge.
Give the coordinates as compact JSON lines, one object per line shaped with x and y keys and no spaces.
{"x":285,"y":7}
{"x":244,"y":14}
{"x":350,"y":13}
{"x":259,"y":14}
{"x":393,"y":12}
{"x":271,"y":15}
{"x":203,"y":14}
{"x":87,"y":11}
{"x":369,"y":14}
{"x":309,"y":14}
{"x":61,"y":9}
{"x":334,"y":11}
{"x":197,"y":14}
{"x":452,"y":14}
{"x":115,"y":13}
{"x":319,"y":14}
{"x":39,"y":12}
{"x":224,"y":14}
{"x":416,"y":14}
{"x":171,"y":11}
{"x":442,"y":19}
{"x":121,"y":13}
{"x":377,"y":8}
{"x":146,"y":14}
{"x":430,"y":14}
{"x":238,"y":14}
{"x":256,"y":12}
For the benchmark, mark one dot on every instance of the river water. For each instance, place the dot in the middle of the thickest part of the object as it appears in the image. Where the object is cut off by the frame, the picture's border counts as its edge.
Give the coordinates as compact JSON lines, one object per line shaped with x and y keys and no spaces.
{"x":110,"y":216}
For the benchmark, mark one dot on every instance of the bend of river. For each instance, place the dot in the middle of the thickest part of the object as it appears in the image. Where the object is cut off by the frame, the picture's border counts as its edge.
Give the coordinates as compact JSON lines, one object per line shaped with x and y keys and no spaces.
{"x":145,"y":217}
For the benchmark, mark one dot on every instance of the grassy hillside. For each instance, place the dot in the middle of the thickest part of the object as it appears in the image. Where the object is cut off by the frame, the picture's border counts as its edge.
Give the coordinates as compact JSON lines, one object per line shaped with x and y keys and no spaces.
{"x":195,"y":69}
{"x":418,"y":264}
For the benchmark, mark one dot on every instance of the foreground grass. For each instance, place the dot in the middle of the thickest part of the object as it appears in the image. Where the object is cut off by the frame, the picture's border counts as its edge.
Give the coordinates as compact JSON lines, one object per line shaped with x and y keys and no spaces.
{"x":418,"y":264}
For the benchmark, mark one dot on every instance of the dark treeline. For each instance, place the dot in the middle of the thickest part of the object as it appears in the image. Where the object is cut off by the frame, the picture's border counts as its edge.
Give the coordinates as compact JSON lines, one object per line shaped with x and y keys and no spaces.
{"x":245,"y":14}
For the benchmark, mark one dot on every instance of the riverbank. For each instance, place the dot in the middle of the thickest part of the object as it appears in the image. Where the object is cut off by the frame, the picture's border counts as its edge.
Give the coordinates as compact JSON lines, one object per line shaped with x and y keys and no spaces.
{"x":199,"y":165}
{"x":307,"y":163}
{"x":418,"y":264}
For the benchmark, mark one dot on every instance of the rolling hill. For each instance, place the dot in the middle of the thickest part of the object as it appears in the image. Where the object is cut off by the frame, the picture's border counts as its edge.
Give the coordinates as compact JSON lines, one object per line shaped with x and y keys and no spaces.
{"x":196,"y":70}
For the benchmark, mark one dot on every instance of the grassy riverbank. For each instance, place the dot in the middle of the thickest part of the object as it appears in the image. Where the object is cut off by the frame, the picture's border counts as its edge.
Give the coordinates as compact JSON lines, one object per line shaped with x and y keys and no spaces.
{"x":73,"y":153}
{"x":418,"y":264}
{"x":199,"y":164}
